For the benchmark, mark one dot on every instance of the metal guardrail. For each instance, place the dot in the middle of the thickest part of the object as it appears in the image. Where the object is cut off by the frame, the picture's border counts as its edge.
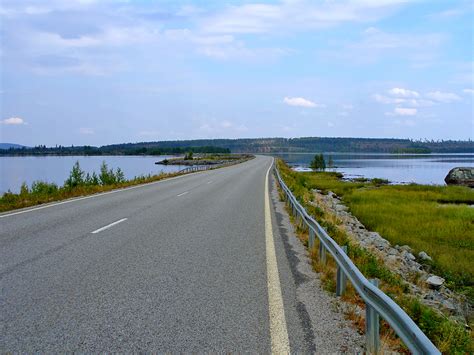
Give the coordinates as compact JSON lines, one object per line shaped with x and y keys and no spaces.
{"x":194,"y":168}
{"x":376,"y":301}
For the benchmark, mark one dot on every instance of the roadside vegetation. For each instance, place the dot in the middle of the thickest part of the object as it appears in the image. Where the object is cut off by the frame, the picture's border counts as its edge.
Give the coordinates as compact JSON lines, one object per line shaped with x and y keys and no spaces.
{"x":426,"y":218}
{"x":79,"y":183}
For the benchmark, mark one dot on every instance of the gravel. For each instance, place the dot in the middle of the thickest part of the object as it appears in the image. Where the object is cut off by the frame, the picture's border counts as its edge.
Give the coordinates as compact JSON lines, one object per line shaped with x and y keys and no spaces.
{"x":327,"y":329}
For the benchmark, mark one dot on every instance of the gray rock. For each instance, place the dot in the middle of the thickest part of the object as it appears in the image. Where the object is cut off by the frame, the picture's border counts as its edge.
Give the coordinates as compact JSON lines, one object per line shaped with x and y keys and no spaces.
{"x":406,"y":248}
{"x":392,"y":251}
{"x":409,"y":256}
{"x":435,"y":282}
{"x":460,"y":176}
{"x":423,"y":256}
{"x":341,"y":208}
{"x":449,"y":305}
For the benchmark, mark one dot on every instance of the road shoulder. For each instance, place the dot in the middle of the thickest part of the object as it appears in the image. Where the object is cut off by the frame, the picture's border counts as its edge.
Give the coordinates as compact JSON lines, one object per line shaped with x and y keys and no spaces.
{"x":312,"y":316}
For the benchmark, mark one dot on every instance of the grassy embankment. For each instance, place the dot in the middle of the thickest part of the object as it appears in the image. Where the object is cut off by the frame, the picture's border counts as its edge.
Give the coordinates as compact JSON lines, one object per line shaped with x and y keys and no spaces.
{"x":423,"y":217}
{"x":78,"y":184}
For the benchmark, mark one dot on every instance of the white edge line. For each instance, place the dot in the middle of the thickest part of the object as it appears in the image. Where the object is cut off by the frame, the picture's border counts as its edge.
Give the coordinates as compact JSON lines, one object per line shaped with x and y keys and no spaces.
{"x":209,"y":182}
{"x":280,"y":343}
{"x":95,"y":195}
{"x":182,"y":194}
{"x":108,"y":226}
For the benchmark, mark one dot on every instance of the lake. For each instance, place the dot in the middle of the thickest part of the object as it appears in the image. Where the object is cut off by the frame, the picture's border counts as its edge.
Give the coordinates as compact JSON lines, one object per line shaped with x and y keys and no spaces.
{"x":16,"y":170}
{"x":398,"y":168}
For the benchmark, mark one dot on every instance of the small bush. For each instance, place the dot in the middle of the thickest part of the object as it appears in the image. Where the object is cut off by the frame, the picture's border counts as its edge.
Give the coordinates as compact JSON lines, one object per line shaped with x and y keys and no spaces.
{"x":76,"y":177}
{"x":44,"y":188}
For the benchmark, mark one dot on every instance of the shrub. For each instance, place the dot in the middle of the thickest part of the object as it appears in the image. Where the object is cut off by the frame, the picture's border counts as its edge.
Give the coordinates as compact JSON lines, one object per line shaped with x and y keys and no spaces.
{"x":106,"y":176}
{"x":318,"y":163}
{"x":43,"y":188}
{"x":189,"y":156}
{"x":76,"y":177}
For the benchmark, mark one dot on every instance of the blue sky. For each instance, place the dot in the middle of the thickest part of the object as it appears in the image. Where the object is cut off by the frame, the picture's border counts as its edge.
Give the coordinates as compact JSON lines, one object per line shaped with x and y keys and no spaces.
{"x":102,"y":71}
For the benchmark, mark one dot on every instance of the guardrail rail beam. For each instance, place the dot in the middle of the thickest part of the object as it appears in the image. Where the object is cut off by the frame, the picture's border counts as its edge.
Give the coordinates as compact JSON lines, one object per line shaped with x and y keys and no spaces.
{"x":378,"y":304}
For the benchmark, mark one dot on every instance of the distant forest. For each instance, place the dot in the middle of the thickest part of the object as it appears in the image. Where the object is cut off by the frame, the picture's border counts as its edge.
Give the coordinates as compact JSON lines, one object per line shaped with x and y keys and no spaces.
{"x":257,"y":145}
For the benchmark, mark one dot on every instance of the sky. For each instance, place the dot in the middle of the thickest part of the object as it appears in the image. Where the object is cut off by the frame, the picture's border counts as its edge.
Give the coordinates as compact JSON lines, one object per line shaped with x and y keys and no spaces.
{"x":98,"y":72}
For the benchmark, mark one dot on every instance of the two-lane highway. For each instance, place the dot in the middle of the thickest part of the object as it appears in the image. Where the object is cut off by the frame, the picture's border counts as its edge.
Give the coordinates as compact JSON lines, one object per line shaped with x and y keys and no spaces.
{"x":183,"y":264}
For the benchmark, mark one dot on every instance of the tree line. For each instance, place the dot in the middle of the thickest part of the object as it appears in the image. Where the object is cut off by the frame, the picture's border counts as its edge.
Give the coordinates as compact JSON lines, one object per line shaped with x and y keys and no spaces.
{"x":259,"y":145}
{"x":111,"y":150}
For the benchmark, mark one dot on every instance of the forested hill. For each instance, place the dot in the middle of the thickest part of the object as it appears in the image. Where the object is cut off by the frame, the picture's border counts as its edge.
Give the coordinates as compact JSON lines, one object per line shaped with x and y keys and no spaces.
{"x":316,"y":144}
{"x":258,"y":145}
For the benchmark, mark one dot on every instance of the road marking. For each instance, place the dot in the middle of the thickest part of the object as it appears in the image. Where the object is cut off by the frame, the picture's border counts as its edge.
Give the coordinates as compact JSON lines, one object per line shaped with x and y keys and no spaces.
{"x":108,"y":226}
{"x":278,"y":330}
{"x":182,"y":194}
{"x":93,"y":196}
{"x":209,"y":182}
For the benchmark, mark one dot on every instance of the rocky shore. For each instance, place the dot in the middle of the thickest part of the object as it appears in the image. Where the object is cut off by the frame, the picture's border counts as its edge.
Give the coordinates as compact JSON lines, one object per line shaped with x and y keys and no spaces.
{"x":414,"y":269}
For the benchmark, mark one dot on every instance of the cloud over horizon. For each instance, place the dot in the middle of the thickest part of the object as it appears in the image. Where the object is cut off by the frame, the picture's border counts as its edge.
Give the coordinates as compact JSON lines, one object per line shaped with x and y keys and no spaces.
{"x":136,"y":69}
{"x":301,"y":102}
{"x":13,"y":121}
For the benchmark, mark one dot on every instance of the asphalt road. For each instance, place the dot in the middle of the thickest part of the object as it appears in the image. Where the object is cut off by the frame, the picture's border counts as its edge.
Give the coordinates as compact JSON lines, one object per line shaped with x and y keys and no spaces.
{"x":178,"y":265}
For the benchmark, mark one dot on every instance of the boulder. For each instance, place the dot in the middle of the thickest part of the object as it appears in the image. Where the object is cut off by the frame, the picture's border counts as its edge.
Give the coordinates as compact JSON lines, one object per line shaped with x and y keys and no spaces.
{"x":460,"y":176}
{"x":435,"y":282}
{"x":423,"y":256}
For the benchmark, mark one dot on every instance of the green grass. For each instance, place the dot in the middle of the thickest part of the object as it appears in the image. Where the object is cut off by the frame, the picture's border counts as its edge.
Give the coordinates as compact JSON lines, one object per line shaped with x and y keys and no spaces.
{"x":427,"y":218}
{"x":394,"y":210}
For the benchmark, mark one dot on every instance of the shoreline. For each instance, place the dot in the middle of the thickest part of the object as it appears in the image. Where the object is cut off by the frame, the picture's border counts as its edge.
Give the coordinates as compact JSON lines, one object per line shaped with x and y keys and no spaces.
{"x":51,"y":193}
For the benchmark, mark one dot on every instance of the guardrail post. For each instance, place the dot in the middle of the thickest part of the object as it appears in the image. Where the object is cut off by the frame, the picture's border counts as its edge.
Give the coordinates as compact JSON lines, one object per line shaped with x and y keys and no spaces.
{"x":341,"y":279}
{"x":372,"y":331}
{"x":311,"y":238}
{"x":322,"y":253}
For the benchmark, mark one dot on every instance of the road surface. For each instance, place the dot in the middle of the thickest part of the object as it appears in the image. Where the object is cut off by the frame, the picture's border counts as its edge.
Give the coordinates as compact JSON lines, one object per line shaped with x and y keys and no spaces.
{"x":184,"y":264}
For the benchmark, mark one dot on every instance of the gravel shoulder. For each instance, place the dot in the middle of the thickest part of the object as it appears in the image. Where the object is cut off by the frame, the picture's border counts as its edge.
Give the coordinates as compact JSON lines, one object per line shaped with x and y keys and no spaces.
{"x":315,"y":323}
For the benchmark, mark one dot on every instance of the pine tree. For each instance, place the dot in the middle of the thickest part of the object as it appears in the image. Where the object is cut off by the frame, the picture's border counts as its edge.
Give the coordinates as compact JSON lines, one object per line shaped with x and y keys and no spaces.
{"x":76,"y":177}
{"x":318,"y":163}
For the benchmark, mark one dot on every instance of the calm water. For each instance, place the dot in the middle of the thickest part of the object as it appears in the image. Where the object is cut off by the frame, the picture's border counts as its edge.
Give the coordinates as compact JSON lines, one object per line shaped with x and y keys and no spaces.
{"x":421,"y":169}
{"x":16,"y":170}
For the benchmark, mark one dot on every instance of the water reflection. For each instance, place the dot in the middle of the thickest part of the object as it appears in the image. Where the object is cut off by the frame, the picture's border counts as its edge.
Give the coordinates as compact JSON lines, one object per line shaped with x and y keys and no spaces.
{"x":398,"y":168}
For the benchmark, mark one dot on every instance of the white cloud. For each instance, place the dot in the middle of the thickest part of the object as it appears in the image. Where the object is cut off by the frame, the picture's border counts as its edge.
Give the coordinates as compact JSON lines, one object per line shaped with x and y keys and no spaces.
{"x":400,"y":92}
{"x":402,"y":101}
{"x":13,"y":121}
{"x":402,"y":111}
{"x":85,"y":130}
{"x":375,"y":39}
{"x":388,"y":100}
{"x":297,"y":15}
{"x":301,"y":102}
{"x":421,"y":49}
{"x":444,"y":97}
{"x":469,"y":91}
